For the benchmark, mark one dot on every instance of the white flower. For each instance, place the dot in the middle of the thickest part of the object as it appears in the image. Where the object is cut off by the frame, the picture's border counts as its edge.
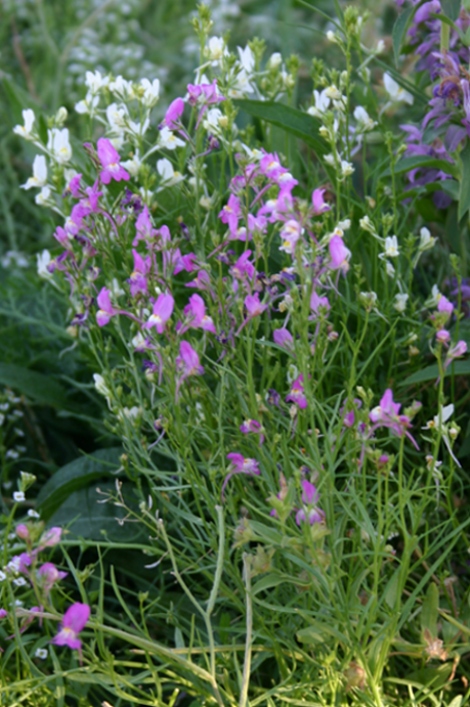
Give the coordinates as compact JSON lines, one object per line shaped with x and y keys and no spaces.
{"x":138,"y":128}
{"x":400,"y":302}
{"x":212,"y":120}
{"x":330,"y":159}
{"x":380,"y":46}
{"x":168,"y":175}
{"x":117,"y":117}
{"x":95,"y":82}
{"x":88,"y":104}
{"x":133,"y":165}
{"x":41,"y":653}
{"x":389,"y":269}
{"x":42,"y":199}
{"x":322,"y":103}
{"x":247,"y":59}
{"x":43,"y":260}
{"x":275,"y":61}
{"x":426,"y":241}
{"x":32,"y":513}
{"x":39,"y":178}
{"x":19,"y":582}
{"x":395,"y":91}
{"x":116,"y":289}
{"x":2,"y":576}
{"x":19,"y":497}
{"x":58,"y":144}
{"x":216,"y":49}
{"x":333,"y":92}
{"x":100,"y":384}
{"x":331,"y":36}
{"x":151,"y":92}
{"x":122,"y":88}
{"x":364,"y":120}
{"x":25,"y":130}
{"x":346,"y":168}
{"x":169,"y":139}
{"x":391,"y":249}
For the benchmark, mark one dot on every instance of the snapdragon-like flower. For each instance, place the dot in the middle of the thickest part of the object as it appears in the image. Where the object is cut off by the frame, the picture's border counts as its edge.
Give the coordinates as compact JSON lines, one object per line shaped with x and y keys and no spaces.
{"x":58,"y":144}
{"x":187,"y":363}
{"x":319,"y":204}
{"x":240,"y":465}
{"x":297,"y":393}
{"x":48,"y":575}
{"x":138,"y":278}
{"x":73,"y":622}
{"x":172,"y":119}
{"x":460,"y":349}
{"x":231,"y":213}
{"x":25,"y":131}
{"x":195,"y":311}
{"x":395,"y":91}
{"x":283,"y":337}
{"x":106,"y":309}
{"x":339,"y":254}
{"x":110,"y":161}
{"x":169,"y":140}
{"x":309,"y":513}
{"x":162,"y":311}
{"x":39,"y":178}
{"x":386,"y":414}
{"x":253,"y":305}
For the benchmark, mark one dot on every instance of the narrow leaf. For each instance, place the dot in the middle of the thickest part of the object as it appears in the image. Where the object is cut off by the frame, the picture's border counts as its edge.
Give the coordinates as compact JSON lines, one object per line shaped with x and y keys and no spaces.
{"x":429,"y":611}
{"x":293,"y":121}
{"x":458,"y":368}
{"x":464,"y":195}
{"x":399,"y":30}
{"x":409,"y":163}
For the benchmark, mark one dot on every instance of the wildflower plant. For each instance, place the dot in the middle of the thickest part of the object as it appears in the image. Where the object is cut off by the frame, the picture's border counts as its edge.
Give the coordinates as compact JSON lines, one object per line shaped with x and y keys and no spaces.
{"x":257,"y":325}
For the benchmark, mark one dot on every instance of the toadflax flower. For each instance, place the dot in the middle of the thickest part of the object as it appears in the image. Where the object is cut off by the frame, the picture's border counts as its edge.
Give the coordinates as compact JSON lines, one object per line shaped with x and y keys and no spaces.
{"x":240,"y":465}
{"x":386,"y":414}
{"x":162,"y":311}
{"x":309,"y":513}
{"x":109,"y":158}
{"x":73,"y":622}
{"x":297,"y":393}
{"x":39,"y":178}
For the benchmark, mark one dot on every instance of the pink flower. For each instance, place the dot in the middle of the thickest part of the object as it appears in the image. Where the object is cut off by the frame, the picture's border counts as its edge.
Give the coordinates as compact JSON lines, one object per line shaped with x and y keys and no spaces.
{"x":106,"y":309}
{"x":204,"y":93}
{"x":240,"y":465}
{"x":144,"y":228}
{"x":188,"y":361}
{"x":309,"y":513}
{"x":271,"y":167}
{"x":243,"y":267}
{"x":138,"y":280}
{"x":456,"y":351}
{"x":50,"y":537}
{"x":386,"y":414}
{"x":109,"y":158}
{"x":3,"y":613}
{"x":196,"y":313}
{"x":297,"y":393}
{"x":252,"y":426}
{"x":319,"y":305}
{"x":48,"y":575}
{"x":253,"y":306}
{"x":173,"y":114}
{"x":290,"y":235}
{"x":283,"y":337}
{"x":74,"y":621}
{"x":442,"y":336}
{"x":22,"y":532}
{"x":339,"y":254}
{"x":231,"y":213}
{"x":162,"y":311}
{"x":444,"y":305}
{"x":319,"y":204}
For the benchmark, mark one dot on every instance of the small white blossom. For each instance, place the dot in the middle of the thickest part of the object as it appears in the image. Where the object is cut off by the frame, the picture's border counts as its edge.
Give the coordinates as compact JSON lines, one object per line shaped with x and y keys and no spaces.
{"x":122,"y":88}
{"x":389,"y":269}
{"x":133,"y":165}
{"x":401,"y":300}
{"x":391,"y":249}
{"x":169,"y":140}
{"x":168,"y":175}
{"x":151,"y":92}
{"x":334,"y":93}
{"x":58,"y":144}
{"x":19,"y":497}
{"x":247,"y":59}
{"x":95,"y":82}
{"x":39,"y":178}
{"x":32,"y":513}
{"x":346,"y":168}
{"x":25,"y":130}
{"x":43,"y":198}
{"x":19,"y":582}
{"x":88,"y":104}
{"x":275,"y":61}
{"x":395,"y":91}
{"x":216,"y":49}
{"x":41,"y":653}
{"x":117,"y":117}
{"x":43,"y":260}
{"x":2,"y":576}
{"x":364,"y":120}
{"x":426,"y":241}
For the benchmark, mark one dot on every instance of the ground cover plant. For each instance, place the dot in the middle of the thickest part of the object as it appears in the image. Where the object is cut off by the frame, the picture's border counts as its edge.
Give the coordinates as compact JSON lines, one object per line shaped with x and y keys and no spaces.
{"x":249,"y":484}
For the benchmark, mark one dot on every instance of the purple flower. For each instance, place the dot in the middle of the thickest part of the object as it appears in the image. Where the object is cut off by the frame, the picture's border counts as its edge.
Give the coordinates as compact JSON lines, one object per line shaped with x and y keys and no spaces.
{"x":253,"y":306}
{"x":252,"y":426}
{"x":109,"y":158}
{"x":73,"y":622}
{"x":231,"y":213}
{"x":319,"y":204}
{"x":106,"y":309}
{"x":386,"y":414}
{"x":188,"y":361}
{"x":460,"y":349}
{"x":204,"y":93}
{"x":196,"y":312}
{"x":138,"y":279}
{"x":3,"y":613}
{"x":240,"y":465}
{"x":319,"y":305}
{"x":283,"y":337}
{"x":22,"y":532}
{"x":243,"y":267}
{"x":173,"y":114}
{"x":442,"y":336}
{"x":144,"y":228}
{"x":339,"y":254}
{"x":48,"y":575}
{"x":309,"y":513}
{"x":162,"y":311}
{"x":297,"y":393}
{"x":444,"y":305}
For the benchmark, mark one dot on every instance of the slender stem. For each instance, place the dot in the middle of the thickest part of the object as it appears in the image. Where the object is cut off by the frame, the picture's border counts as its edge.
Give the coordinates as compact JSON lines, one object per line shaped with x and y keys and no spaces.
{"x":249,"y":631}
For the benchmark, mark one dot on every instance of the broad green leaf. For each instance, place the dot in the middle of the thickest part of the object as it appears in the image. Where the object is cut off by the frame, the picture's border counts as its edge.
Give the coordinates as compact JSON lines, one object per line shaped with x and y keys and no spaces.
{"x":293,"y":121}
{"x":464,"y":195}
{"x":458,"y":368}
{"x":429,"y":611}
{"x":39,"y":388}
{"x":85,"y":515}
{"x":75,"y":476}
{"x":409,"y":163}
{"x":451,"y":8}
{"x":399,"y":30}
